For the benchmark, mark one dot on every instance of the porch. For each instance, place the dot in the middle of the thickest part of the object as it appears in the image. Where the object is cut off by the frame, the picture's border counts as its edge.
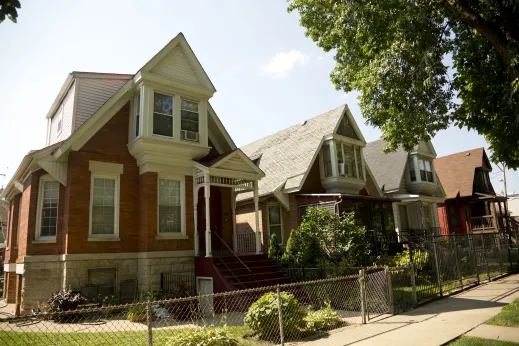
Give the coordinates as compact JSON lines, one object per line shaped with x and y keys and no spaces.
{"x":486,"y":214}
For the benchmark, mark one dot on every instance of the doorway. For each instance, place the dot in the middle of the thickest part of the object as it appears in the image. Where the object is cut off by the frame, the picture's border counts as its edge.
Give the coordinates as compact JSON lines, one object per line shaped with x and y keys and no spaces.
{"x":215,"y":214}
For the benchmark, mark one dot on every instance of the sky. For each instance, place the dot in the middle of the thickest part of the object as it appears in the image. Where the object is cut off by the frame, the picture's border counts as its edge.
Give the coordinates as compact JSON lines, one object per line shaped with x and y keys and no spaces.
{"x":267,"y":73}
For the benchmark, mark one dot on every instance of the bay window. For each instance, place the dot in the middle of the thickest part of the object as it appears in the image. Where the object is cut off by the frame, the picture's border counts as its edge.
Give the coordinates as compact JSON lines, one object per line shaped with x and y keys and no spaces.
{"x":327,"y":161}
{"x":425,"y":167}
{"x":170,"y":207}
{"x":137,"y":111}
{"x":47,"y":214}
{"x":347,"y":160}
{"x":189,"y":130}
{"x":163,"y":115}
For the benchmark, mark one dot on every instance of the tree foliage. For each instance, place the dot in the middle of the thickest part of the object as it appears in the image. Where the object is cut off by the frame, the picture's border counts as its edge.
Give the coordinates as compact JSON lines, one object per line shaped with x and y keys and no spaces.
{"x":8,"y":9}
{"x":400,"y":56}
{"x":324,"y":236}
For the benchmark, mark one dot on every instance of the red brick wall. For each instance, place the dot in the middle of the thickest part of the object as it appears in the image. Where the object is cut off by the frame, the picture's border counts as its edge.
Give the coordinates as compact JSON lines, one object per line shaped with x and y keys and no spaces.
{"x":11,"y":251}
{"x":109,"y":144}
{"x":11,"y":288}
{"x":147,"y":225}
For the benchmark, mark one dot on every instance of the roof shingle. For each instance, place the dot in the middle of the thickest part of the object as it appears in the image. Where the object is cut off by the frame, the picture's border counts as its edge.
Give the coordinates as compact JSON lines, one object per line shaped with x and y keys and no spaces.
{"x":387,"y":168}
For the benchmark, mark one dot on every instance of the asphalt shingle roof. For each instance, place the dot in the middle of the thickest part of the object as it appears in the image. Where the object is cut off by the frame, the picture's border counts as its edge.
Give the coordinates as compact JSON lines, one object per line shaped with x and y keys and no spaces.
{"x":456,"y":171}
{"x":388,"y":169}
{"x":286,"y":155}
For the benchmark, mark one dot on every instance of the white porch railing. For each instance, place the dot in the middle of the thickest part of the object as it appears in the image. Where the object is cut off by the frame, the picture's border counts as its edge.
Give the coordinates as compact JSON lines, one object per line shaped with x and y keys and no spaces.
{"x":482,"y":223}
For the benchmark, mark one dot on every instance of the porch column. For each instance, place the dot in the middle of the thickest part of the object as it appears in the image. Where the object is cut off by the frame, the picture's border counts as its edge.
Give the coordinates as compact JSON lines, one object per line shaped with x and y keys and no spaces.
{"x":494,"y":215}
{"x":195,"y":216}
{"x":396,"y":216}
{"x":207,"y":191}
{"x":233,"y":208}
{"x":256,"y":213}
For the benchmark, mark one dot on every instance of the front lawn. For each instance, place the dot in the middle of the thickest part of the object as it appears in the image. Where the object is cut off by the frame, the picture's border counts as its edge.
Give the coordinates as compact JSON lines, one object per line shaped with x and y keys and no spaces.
{"x":508,"y":317}
{"x":160,"y":337}
{"x":471,"y":341}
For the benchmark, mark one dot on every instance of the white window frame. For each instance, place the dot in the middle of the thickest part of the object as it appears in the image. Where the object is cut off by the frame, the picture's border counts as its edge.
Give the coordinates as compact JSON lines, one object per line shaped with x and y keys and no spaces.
{"x":280,"y":219}
{"x":425,"y":169}
{"x":137,"y":122}
{"x":117,"y":178}
{"x":182,"y":179}
{"x":152,"y":118}
{"x":59,"y":119}
{"x":197,"y":112}
{"x":39,"y":210}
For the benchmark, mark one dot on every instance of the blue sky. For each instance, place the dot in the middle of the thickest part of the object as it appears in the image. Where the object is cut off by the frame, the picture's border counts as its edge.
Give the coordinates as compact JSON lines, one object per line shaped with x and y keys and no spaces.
{"x":267,"y":73}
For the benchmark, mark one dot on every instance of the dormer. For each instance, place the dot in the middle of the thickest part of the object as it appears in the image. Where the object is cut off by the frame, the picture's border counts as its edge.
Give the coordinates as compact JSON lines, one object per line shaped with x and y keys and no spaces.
{"x":169,"y":107}
{"x":342,"y":165}
{"x":420,"y":176}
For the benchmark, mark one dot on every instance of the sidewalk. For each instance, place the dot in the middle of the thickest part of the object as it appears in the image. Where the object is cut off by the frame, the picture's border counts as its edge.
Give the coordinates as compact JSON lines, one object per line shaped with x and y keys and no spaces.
{"x":433,"y":324}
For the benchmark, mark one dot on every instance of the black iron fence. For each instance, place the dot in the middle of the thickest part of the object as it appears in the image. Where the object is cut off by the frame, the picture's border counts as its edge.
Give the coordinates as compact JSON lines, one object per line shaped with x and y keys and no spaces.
{"x":174,"y":285}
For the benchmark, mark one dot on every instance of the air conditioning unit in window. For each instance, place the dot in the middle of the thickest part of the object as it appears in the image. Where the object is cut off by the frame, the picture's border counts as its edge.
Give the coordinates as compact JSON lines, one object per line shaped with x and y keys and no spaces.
{"x":342,"y":168}
{"x":189,"y":135}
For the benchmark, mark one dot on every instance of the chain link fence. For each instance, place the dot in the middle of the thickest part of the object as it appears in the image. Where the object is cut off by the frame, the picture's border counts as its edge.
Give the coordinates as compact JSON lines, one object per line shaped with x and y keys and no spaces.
{"x":250,"y":317}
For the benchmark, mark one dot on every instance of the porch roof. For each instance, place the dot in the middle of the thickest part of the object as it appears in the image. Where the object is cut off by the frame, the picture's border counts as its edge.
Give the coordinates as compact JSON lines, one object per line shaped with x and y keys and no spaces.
{"x":349,"y":196}
{"x":488,"y":198}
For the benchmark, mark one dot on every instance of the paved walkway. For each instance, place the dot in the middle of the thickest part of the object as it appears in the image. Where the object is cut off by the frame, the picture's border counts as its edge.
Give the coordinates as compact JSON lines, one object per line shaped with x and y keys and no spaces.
{"x":495,"y":332}
{"x":433,"y":324}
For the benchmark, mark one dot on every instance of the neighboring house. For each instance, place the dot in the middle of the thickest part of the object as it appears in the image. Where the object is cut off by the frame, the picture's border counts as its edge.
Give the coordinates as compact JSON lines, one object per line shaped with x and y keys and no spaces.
{"x":471,"y":204}
{"x":317,"y":162}
{"x":138,"y":179}
{"x":409,"y":177}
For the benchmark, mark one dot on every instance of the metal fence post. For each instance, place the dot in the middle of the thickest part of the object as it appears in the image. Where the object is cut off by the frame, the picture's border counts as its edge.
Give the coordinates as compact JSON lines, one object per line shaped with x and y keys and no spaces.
{"x":497,"y":242}
{"x":457,"y":261}
{"x":413,"y":284}
{"x":149,"y":320}
{"x":362,"y":281}
{"x":438,"y":275}
{"x":280,"y":314}
{"x":474,"y":254}
{"x":485,"y":255}
{"x":391,"y":298}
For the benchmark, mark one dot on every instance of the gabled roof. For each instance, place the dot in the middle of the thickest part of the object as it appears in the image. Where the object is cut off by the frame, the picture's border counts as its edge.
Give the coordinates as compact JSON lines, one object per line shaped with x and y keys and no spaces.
{"x":234,"y":160}
{"x":388,"y":169}
{"x":287,"y":156}
{"x":456,"y":171}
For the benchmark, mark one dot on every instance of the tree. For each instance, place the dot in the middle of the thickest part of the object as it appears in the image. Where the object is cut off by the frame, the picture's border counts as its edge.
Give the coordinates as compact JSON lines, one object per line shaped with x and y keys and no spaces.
{"x":399,"y":55}
{"x":324,"y":236}
{"x":8,"y":8}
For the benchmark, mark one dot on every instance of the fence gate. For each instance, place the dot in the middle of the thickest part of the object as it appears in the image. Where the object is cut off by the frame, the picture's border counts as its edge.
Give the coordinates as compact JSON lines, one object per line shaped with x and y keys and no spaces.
{"x":377,"y":292}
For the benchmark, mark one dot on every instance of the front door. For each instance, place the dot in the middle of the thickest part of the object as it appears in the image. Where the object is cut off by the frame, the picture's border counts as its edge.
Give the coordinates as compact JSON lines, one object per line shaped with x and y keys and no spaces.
{"x":215,"y":214}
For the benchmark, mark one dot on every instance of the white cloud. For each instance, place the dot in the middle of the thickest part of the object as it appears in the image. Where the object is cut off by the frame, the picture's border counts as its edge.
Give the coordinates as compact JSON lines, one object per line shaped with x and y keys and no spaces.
{"x":281,"y":64}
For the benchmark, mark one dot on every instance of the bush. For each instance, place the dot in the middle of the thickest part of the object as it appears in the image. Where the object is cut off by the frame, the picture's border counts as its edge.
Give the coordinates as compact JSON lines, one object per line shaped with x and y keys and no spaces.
{"x":262,"y":316}
{"x":137,"y":314}
{"x":275,"y":251}
{"x":420,"y":258}
{"x":323,"y":319}
{"x":203,"y":336}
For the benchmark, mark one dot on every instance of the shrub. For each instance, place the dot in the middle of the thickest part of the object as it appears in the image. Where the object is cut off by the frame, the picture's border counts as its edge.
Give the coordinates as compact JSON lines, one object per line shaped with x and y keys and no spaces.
{"x":65,"y":300}
{"x":323,"y":319}
{"x":137,"y":314}
{"x":203,"y":336}
{"x":420,"y":258}
{"x":262,"y":316}
{"x":275,"y":251}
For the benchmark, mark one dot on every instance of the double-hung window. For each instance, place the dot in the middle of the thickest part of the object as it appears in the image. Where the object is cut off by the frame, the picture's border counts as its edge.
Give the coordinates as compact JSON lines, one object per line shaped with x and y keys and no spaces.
{"x":327,"y":160}
{"x":47,"y":213}
{"x":274,"y":222}
{"x":348,"y":160}
{"x":425,"y":170}
{"x":163,"y":115}
{"x":412,"y":171}
{"x":60,"y":120}
{"x":170,"y":207}
{"x":189,"y":128}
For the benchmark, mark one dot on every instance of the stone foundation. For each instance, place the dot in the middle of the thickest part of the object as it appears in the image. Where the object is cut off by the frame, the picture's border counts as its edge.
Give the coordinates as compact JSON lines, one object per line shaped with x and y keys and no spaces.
{"x":44,"y":275}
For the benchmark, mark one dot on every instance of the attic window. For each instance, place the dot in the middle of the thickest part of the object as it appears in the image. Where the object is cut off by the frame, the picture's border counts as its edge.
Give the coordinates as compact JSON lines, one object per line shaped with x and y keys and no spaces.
{"x":60,"y":119}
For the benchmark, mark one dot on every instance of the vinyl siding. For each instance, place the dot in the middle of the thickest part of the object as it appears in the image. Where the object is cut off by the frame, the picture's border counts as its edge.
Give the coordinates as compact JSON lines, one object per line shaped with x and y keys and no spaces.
{"x":176,"y":66}
{"x":423,"y":148}
{"x":92,"y":94}
{"x":68,"y":112}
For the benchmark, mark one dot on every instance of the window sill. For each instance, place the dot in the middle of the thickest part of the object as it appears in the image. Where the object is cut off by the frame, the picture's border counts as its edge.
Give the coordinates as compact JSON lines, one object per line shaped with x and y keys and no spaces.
{"x":172,"y":236}
{"x":93,"y":238}
{"x":44,"y":241}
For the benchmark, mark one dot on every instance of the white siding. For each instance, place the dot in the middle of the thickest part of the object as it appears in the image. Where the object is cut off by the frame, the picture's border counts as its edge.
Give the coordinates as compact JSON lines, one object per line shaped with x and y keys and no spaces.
{"x":68,"y":112}
{"x":423,"y":148}
{"x":92,"y":94}
{"x":176,"y":66}
{"x":236,"y":163}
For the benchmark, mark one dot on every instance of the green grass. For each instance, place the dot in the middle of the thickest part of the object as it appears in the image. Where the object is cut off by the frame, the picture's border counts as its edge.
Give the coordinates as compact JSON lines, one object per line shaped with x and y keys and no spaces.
{"x":508,"y":317}
{"x":160,"y":337}
{"x":471,"y":341}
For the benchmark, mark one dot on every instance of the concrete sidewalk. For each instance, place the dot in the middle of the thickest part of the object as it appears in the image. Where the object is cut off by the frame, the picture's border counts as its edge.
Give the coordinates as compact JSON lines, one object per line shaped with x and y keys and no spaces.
{"x":495,"y":332}
{"x":433,"y":324}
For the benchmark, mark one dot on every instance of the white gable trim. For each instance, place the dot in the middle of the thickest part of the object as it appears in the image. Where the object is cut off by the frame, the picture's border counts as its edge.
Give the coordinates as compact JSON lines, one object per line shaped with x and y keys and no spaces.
{"x":353,"y":123}
{"x":238,"y":153}
{"x":220,"y":126}
{"x":307,"y":171}
{"x":282,"y":197}
{"x":190,"y":55}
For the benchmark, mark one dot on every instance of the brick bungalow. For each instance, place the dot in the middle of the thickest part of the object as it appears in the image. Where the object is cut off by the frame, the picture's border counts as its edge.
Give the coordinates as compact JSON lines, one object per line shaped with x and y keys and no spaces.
{"x":138,"y":177}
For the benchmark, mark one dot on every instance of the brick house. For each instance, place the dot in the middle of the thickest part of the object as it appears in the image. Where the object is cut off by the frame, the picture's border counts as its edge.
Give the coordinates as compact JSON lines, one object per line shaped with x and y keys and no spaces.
{"x":472,"y":204}
{"x":138,"y":177}
{"x":317,"y":162}
{"x":411,"y":178}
